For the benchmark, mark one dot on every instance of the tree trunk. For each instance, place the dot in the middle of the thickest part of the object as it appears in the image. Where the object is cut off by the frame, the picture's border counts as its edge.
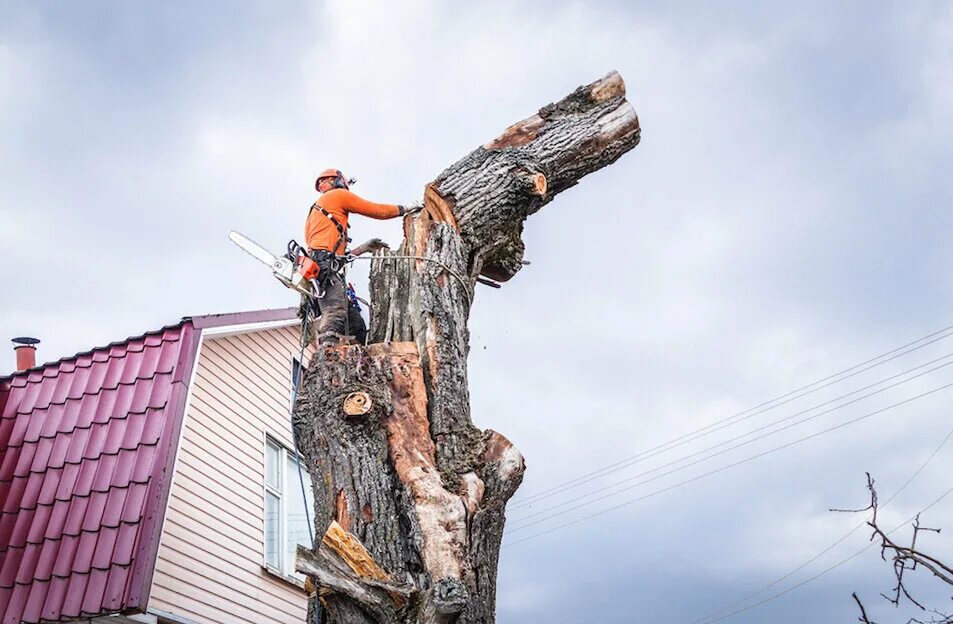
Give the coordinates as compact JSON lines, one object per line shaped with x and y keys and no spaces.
{"x":401,"y":477}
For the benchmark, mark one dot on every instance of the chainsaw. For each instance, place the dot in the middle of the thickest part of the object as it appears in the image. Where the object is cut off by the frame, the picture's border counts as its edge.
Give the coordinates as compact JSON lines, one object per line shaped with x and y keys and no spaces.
{"x":295,"y":269}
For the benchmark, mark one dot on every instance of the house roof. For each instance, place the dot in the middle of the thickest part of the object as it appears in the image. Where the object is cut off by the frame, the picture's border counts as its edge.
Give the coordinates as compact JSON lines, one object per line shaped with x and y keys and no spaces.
{"x":88,"y":449}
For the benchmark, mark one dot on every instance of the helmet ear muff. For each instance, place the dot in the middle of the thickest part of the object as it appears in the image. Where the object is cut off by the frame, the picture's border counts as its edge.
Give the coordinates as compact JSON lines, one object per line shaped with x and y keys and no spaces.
{"x":339,"y":182}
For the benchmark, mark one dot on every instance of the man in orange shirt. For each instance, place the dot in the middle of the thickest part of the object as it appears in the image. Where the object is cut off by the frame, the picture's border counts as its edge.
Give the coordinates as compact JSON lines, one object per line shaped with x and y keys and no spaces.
{"x":325,"y":234}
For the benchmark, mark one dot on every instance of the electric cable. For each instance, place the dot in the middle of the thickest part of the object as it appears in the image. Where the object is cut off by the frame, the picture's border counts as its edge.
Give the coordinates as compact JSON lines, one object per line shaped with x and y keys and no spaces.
{"x":605,"y":488}
{"x":706,"y":619}
{"x":726,"y":467}
{"x":832,"y":567}
{"x":763,"y":407}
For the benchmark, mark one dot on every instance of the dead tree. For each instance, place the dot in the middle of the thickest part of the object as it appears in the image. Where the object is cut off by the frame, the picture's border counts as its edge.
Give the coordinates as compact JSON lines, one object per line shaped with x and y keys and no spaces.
{"x":904,"y":559}
{"x":409,"y":494}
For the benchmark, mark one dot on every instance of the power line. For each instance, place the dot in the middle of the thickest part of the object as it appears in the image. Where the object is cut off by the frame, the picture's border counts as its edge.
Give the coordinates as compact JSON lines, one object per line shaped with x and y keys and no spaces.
{"x":732,"y":465}
{"x":745,"y":414}
{"x":712,"y":455}
{"x":706,"y":619}
{"x":830,"y":568}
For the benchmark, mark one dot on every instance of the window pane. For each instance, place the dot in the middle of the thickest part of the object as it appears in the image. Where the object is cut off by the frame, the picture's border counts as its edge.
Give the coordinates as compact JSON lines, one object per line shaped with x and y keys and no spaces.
{"x":295,"y":508}
{"x":272,"y":530}
{"x":273,"y":465}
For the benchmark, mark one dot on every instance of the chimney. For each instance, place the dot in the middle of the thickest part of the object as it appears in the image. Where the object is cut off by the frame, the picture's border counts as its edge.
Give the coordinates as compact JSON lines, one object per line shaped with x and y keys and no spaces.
{"x":26,"y":352}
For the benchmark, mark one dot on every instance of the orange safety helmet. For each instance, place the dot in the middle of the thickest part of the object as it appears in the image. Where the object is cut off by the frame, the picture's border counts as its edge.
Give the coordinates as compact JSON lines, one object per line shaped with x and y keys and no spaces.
{"x":331,"y":173}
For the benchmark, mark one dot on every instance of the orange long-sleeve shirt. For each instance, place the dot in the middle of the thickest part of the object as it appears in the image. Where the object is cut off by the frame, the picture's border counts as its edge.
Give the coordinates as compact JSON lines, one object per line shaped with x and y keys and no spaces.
{"x":319,"y":231}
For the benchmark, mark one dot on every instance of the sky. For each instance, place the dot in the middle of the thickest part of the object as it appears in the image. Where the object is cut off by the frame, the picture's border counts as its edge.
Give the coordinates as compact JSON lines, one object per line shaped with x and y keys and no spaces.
{"x":785,"y":217}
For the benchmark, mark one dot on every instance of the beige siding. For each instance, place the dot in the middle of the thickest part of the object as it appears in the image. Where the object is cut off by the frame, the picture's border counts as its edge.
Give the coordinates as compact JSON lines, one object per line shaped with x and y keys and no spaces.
{"x":210,"y":560}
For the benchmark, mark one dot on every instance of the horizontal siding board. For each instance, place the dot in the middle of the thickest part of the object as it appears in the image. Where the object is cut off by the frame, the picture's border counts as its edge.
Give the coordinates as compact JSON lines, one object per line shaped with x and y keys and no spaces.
{"x":210,"y":561}
{"x":242,"y":406}
{"x":245,"y":578}
{"x":198,"y":574}
{"x":230,"y":440}
{"x":214,"y":423}
{"x":217,"y":474}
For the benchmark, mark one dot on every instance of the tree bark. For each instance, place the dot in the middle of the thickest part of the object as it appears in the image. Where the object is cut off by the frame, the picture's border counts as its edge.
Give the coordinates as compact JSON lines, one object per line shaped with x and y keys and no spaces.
{"x":399,"y":471}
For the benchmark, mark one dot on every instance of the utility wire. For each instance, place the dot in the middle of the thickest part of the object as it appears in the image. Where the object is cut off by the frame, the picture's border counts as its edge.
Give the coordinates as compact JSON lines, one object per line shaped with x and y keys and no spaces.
{"x":707,"y":619}
{"x":745,"y":414}
{"x":832,"y":567}
{"x":698,"y":461}
{"x":726,"y":467}
{"x":520,"y":522}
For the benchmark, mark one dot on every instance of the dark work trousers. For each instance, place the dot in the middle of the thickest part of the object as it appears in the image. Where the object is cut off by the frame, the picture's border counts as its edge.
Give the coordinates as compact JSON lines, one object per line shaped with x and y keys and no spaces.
{"x":339,"y":317}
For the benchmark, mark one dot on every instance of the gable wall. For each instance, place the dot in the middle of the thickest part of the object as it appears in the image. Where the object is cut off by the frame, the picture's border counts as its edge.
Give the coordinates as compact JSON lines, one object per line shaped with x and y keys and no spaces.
{"x":209,"y":567}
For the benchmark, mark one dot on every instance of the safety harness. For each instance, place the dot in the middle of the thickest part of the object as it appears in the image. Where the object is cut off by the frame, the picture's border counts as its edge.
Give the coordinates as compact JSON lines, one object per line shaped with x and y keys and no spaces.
{"x":342,"y":231}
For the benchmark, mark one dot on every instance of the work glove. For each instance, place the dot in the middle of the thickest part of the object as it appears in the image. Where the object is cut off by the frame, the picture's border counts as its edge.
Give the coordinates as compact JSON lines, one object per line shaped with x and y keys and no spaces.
{"x":371,"y":245}
{"x":411,"y":209}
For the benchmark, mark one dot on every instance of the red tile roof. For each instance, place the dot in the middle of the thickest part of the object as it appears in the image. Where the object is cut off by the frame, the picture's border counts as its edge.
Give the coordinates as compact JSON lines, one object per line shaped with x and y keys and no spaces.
{"x":88,"y":445}
{"x":87,"y":450}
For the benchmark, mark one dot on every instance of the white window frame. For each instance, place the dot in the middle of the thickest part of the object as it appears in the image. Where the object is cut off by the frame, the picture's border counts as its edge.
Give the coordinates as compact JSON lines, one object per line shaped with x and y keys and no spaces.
{"x":286,"y":455}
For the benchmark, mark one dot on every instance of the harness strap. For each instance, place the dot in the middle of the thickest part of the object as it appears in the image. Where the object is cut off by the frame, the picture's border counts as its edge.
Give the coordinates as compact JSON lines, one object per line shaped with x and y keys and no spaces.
{"x":342,"y":231}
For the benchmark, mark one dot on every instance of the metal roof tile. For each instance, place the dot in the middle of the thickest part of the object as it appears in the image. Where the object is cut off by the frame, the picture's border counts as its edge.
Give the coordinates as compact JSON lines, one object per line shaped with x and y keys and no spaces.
{"x":58,"y":514}
{"x":25,"y":459}
{"x":84,"y":480}
{"x":48,"y":552}
{"x":31,"y":490}
{"x":8,"y":463}
{"x":41,"y":518}
{"x":58,"y":454}
{"x":51,"y":482}
{"x":41,"y":458}
{"x":31,"y":556}
{"x":11,"y":565}
{"x":105,"y":471}
{"x":21,"y":528}
{"x":51,"y":417}
{"x":33,"y":428}
{"x":85,"y":548}
{"x":77,"y":445}
{"x":7,"y":522}
{"x":125,"y":543}
{"x":53,"y":605}
{"x":73,"y":601}
{"x":112,"y":515}
{"x":65,"y":556}
{"x":95,"y":588}
{"x":11,"y":494}
{"x":103,"y":555}
{"x":6,"y":430}
{"x":19,"y":431}
{"x":145,"y":460}
{"x":114,"y":368}
{"x":14,"y":610}
{"x":97,"y":440}
{"x":61,"y":387}
{"x":67,"y":482}
{"x":75,"y":515}
{"x":115,"y":586}
{"x":94,"y":511}
{"x":33,"y":611}
{"x":80,"y":382}
{"x":134,"y":504}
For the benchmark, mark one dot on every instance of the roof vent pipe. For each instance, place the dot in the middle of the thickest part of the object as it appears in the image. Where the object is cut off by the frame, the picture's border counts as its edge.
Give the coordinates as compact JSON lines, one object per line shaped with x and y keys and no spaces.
{"x":26,"y":352}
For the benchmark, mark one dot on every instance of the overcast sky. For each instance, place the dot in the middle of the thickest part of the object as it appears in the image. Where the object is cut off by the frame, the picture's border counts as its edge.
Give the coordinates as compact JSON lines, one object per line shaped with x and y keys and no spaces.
{"x":786,"y":216}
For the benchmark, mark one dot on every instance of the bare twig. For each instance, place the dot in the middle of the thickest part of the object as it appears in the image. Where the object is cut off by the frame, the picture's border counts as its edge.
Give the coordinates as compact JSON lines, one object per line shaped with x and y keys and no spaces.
{"x":903,"y":558}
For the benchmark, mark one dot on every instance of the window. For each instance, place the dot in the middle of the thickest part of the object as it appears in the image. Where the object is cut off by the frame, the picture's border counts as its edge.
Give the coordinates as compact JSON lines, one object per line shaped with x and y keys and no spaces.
{"x":287,"y":513}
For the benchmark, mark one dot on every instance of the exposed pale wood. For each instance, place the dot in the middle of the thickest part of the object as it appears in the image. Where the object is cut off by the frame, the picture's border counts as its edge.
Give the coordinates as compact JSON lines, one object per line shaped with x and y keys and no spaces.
{"x":424,"y":489}
{"x":352,"y":552}
{"x":357,"y":404}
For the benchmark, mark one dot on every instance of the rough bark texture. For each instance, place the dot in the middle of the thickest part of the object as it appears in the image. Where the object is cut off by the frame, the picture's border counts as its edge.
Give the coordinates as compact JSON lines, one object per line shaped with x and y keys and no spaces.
{"x":400,"y":472}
